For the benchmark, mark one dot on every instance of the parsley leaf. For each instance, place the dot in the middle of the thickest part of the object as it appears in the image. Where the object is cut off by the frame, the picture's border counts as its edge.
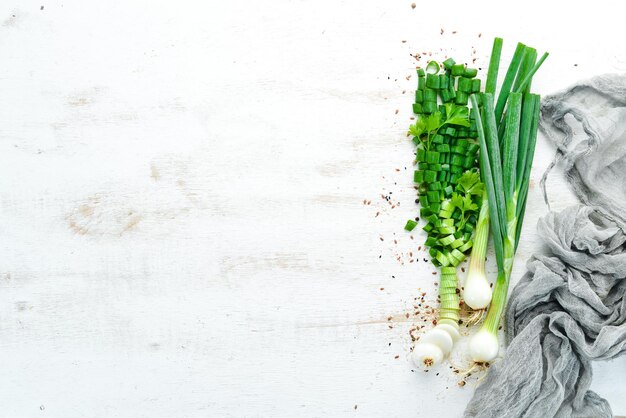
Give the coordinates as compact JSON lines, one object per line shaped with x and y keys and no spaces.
{"x":457,"y":115}
{"x":457,"y":200}
{"x":468,"y":204}
{"x":433,"y":121}
{"x":426,"y":125}
{"x":418,"y":128}
{"x":470,"y":183}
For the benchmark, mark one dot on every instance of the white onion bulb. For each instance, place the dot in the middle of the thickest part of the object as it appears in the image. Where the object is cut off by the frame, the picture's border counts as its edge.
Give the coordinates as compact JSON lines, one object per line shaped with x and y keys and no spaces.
{"x":434,"y":346}
{"x":484,"y":346}
{"x":476,"y":292}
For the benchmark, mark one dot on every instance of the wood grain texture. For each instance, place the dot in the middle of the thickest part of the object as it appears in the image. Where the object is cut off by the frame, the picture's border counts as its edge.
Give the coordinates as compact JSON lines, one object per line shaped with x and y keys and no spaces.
{"x":182,"y":186}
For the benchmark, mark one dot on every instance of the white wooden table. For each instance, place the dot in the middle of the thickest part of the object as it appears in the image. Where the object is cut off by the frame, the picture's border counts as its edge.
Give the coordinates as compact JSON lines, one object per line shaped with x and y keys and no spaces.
{"x":181,"y":185}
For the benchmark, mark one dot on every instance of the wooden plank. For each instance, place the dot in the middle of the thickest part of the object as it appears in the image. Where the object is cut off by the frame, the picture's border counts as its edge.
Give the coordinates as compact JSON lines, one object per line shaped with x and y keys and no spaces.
{"x":182,"y":189}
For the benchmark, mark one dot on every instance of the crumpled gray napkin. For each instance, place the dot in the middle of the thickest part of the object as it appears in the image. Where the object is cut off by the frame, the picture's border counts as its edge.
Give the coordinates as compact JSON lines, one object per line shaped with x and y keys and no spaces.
{"x":570,"y":307}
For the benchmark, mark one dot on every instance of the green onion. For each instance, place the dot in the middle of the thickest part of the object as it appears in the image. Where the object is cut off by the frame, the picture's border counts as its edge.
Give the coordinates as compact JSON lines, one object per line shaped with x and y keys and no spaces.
{"x":470,"y":72}
{"x":506,"y":173}
{"x":432,"y":67}
{"x":494,"y":65}
{"x":432,"y":81}
{"x":520,"y":51}
{"x":526,"y":82}
{"x":447,"y":64}
{"x":476,"y":291}
{"x":458,"y":69}
{"x":527,"y":161}
{"x":449,"y":187}
{"x":410,"y":225}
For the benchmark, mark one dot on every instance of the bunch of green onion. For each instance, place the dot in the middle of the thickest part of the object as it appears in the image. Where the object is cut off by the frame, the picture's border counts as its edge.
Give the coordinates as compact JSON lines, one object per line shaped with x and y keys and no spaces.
{"x":507,"y":132}
{"x":451,"y":192}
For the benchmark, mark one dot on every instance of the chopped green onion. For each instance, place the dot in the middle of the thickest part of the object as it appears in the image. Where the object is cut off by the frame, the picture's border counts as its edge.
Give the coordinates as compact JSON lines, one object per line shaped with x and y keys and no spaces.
{"x":448,"y":128}
{"x":448,"y":63}
{"x":457,"y":242}
{"x":432,"y":81}
{"x":458,"y":69}
{"x":421,"y":83}
{"x":410,"y":225}
{"x":470,"y":72}
{"x":432,"y":67}
{"x":430,"y":95}
{"x":447,"y":230}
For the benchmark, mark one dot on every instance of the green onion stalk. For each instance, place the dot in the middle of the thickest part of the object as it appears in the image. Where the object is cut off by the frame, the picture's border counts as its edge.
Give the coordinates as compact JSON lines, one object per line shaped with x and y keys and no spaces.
{"x":477,"y":290}
{"x":506,"y":162}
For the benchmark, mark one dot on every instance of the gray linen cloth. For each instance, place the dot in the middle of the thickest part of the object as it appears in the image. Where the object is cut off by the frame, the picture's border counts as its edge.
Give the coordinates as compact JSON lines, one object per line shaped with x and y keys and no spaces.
{"x":569,"y":309}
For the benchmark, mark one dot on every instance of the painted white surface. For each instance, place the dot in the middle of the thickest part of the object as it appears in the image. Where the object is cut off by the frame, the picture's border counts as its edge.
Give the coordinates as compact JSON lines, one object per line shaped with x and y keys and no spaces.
{"x":182,"y":185}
